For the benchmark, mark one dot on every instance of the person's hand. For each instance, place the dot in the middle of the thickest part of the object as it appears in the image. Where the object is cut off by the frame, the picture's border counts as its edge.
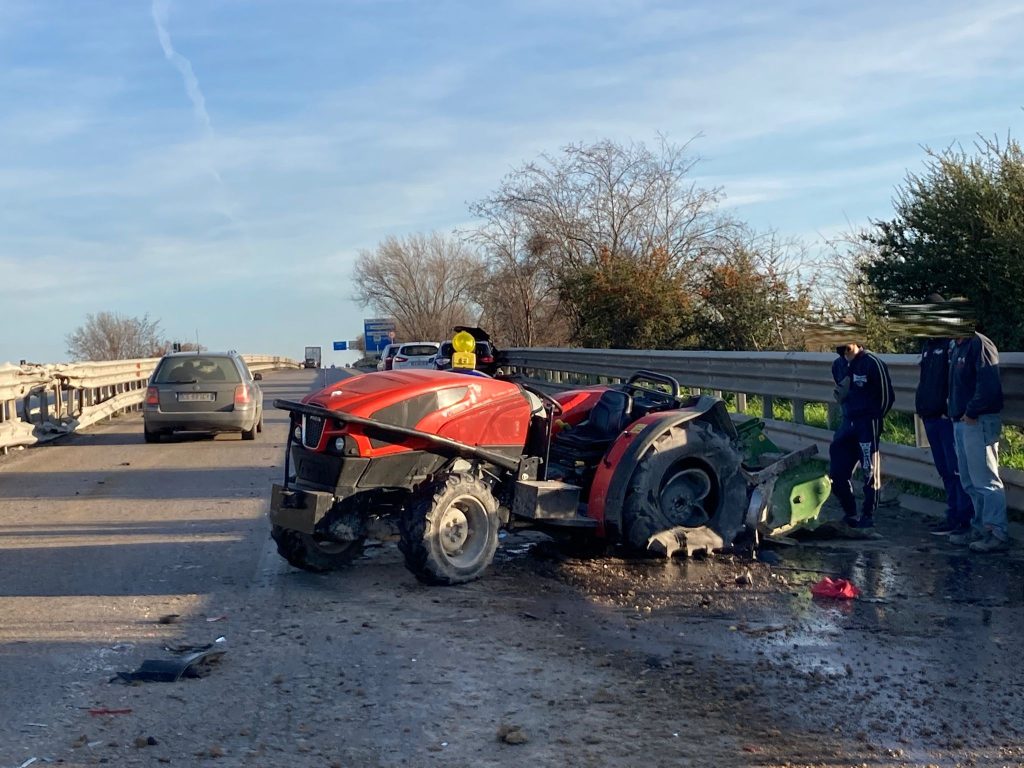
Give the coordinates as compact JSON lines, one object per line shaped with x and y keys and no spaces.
{"x":969,"y":420}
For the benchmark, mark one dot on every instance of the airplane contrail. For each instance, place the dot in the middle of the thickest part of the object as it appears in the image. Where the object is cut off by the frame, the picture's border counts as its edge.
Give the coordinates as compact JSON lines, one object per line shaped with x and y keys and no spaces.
{"x":161,"y":11}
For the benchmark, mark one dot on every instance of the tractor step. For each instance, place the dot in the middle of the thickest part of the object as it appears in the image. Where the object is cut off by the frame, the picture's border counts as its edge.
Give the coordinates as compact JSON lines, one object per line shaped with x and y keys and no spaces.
{"x":546,"y":500}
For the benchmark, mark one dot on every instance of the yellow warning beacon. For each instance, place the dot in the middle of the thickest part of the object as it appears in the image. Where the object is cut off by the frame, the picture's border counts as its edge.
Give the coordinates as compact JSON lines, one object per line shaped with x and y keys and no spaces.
{"x":465,"y":348}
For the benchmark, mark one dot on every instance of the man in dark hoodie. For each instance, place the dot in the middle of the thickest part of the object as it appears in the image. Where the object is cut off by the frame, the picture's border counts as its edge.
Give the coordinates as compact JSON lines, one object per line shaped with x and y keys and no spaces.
{"x":975,"y":404}
{"x":931,"y":405}
{"x":867,"y":396}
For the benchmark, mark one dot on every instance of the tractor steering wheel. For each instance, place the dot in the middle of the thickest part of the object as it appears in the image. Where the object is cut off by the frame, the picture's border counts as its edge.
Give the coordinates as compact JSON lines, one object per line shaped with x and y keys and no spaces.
{"x":556,"y":407}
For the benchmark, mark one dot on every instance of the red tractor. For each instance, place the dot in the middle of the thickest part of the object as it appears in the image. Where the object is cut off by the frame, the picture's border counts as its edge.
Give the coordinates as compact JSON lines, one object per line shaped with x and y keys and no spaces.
{"x":446,"y":460}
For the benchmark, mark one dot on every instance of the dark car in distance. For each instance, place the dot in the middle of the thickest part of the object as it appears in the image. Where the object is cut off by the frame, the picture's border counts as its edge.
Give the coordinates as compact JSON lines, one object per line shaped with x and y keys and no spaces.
{"x":202,"y":392}
{"x":486,"y":360}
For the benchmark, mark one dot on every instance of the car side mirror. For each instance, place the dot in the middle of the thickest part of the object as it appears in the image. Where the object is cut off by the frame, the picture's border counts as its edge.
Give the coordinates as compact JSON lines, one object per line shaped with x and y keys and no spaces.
{"x":257,"y":376}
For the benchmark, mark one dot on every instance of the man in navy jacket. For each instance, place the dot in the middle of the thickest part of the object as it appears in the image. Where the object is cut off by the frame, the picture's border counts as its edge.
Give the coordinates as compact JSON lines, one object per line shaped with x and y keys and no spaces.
{"x":975,"y":404}
{"x":866,"y":396}
{"x":931,"y":405}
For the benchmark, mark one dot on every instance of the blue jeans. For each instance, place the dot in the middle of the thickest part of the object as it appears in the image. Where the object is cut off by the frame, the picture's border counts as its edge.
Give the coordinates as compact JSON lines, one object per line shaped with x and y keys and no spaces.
{"x":977,"y":453}
{"x":959,"y":509}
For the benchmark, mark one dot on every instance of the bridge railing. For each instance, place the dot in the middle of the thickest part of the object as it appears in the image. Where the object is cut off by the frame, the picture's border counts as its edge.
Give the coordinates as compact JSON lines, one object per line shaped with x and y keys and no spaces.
{"x":797,"y":377}
{"x":41,"y":402}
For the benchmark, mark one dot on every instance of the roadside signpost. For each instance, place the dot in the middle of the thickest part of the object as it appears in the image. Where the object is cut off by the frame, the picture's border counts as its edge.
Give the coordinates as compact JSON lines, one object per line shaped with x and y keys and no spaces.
{"x":378,"y":332}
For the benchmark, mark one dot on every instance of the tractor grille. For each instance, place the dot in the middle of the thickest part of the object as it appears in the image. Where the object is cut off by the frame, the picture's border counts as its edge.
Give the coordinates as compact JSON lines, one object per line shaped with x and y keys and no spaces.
{"x":312,"y":431}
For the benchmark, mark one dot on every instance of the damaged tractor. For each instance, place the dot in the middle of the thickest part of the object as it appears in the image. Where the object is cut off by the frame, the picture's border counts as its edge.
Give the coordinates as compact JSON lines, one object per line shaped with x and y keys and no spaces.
{"x":445,"y":460}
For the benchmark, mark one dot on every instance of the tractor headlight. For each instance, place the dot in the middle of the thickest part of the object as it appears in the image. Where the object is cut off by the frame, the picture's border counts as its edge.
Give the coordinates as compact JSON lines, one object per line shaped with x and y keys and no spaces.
{"x":339,"y":444}
{"x":297,"y":433}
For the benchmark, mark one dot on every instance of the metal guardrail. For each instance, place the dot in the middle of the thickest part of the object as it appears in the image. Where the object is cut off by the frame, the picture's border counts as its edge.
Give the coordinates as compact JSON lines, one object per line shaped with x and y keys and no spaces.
{"x":41,"y":402}
{"x":796,"y":377}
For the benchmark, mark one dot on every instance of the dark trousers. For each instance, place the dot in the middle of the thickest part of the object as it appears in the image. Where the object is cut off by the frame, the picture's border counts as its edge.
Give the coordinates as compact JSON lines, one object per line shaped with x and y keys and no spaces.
{"x":856,"y":442}
{"x":959,"y":509}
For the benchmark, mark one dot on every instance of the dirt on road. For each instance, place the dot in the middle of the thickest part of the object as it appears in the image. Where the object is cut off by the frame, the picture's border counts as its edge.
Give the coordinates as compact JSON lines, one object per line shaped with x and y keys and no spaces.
{"x":554,"y":662}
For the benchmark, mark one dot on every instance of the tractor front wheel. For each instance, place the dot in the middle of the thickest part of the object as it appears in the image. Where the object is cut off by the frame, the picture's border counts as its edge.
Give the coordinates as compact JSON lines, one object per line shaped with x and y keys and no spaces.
{"x":449,"y":531}
{"x":310,"y":554}
{"x":689,"y":478}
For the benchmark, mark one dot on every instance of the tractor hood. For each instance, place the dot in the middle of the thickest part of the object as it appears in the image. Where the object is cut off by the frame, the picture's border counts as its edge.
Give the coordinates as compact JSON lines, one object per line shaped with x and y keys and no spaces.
{"x":408,"y":397}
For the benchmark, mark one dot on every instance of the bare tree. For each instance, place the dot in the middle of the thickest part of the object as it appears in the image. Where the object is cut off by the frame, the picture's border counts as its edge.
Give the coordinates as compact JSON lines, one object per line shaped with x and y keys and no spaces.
{"x":425,"y":282}
{"x":111,"y":336}
{"x":516,"y":290}
{"x":606,"y":197}
{"x":597,"y":205}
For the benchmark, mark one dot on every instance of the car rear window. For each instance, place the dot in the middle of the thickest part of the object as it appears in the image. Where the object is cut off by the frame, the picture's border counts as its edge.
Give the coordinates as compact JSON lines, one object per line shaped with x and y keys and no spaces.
{"x":418,"y":350}
{"x":177,"y":370}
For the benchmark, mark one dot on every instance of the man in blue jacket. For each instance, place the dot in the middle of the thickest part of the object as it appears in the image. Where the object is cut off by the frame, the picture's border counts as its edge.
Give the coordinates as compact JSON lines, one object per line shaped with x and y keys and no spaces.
{"x":931,"y":405}
{"x":867,"y":396}
{"x":975,"y":404}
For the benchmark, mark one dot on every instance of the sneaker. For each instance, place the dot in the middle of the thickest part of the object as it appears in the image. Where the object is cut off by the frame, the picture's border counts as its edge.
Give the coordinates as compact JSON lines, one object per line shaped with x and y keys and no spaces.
{"x":991,"y":543}
{"x":866,"y":521}
{"x":966,"y":538}
{"x":944,"y":529}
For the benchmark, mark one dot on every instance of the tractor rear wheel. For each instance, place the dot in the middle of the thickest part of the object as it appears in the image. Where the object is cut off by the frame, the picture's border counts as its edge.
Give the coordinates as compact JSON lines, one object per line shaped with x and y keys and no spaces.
{"x":449,"y":531}
{"x":689,"y":478}
{"x":310,"y":554}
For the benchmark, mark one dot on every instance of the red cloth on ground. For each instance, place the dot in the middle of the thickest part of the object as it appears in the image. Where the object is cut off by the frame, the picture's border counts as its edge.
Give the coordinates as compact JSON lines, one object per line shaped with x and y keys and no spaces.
{"x":838,"y":588}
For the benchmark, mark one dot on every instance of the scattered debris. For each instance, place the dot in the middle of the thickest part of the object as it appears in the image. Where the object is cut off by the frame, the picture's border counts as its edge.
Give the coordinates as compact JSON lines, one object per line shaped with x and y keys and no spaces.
{"x":195,"y":664}
{"x":28,"y":762}
{"x":145,"y":741}
{"x":215,"y":618}
{"x":98,"y":711}
{"x":511,"y":734}
{"x":745,"y":579}
{"x":841,"y":589}
{"x":170,"y":618}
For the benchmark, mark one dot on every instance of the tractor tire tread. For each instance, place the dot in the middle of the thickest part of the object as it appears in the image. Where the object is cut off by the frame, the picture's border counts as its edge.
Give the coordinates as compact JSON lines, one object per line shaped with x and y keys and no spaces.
{"x":301,"y":551}
{"x":643,"y":517}
{"x":419,"y":517}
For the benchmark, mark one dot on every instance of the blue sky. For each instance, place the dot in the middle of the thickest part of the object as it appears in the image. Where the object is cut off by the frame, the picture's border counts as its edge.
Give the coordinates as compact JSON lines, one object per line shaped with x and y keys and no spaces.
{"x":218,"y":164}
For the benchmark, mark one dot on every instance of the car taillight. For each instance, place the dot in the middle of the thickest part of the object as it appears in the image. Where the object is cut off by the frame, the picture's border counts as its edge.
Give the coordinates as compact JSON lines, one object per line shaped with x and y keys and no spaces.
{"x":152,"y":396}
{"x":487,"y":359}
{"x":242,"y":395}
{"x":401,"y":359}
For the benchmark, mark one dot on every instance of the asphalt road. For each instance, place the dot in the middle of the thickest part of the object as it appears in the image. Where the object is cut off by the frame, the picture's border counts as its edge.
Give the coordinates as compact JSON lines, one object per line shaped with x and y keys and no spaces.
{"x":607,"y":662}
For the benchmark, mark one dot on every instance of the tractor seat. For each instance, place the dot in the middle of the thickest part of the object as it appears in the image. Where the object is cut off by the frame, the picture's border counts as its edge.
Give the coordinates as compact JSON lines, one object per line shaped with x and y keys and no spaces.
{"x":609,"y":416}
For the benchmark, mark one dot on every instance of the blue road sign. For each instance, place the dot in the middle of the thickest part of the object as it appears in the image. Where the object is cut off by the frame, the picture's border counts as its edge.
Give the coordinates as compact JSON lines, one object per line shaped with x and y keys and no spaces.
{"x":340,"y":346}
{"x":378,"y":332}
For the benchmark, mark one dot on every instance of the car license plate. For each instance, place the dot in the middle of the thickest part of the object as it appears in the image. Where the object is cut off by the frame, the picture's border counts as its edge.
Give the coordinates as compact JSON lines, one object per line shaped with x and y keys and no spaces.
{"x":196,"y":397}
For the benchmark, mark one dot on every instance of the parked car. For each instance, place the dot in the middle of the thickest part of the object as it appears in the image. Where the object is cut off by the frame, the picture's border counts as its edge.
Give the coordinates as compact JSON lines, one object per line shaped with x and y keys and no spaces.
{"x":387,"y":357}
{"x":202,"y":392}
{"x":415,"y":354}
{"x":486,"y":362}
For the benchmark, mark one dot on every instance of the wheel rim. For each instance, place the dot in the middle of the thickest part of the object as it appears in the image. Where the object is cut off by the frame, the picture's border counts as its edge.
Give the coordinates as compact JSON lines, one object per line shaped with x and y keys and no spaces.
{"x":329,"y":547}
{"x":684,"y":497}
{"x":462,"y":532}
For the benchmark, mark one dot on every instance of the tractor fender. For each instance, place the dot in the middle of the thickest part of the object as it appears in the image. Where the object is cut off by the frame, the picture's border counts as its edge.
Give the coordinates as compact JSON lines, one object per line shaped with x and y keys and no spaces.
{"x":611,"y":479}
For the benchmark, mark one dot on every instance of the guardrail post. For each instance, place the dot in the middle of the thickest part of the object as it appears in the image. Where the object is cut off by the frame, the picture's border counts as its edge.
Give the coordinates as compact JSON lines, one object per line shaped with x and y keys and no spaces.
{"x":798,"y":411}
{"x":741,"y":402}
{"x":833,"y":415}
{"x":767,"y":407}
